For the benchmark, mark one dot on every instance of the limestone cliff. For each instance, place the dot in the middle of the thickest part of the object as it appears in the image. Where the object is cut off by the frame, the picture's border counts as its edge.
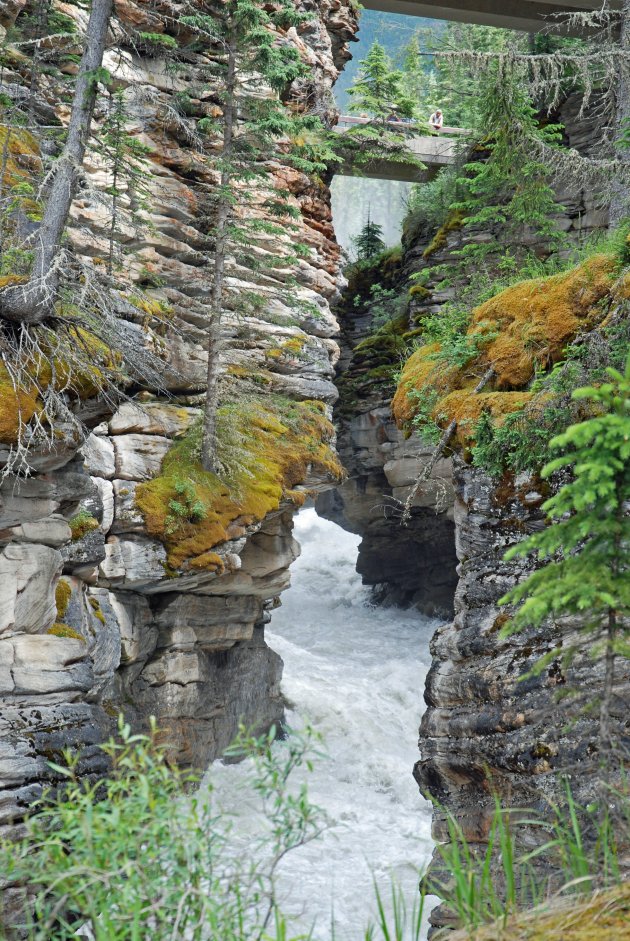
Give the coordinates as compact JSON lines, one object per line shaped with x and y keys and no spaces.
{"x":492,"y":727}
{"x":113,"y":597}
{"x":415,"y":564}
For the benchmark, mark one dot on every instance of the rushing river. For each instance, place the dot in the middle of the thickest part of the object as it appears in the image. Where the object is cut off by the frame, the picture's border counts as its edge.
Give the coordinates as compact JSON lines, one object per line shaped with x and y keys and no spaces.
{"x":356,"y":673}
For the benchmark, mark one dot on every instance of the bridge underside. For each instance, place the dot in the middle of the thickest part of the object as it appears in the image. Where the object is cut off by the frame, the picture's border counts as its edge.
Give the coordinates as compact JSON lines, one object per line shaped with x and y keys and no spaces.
{"x":434,"y":152}
{"x":384,"y":170}
{"x":527,"y":15}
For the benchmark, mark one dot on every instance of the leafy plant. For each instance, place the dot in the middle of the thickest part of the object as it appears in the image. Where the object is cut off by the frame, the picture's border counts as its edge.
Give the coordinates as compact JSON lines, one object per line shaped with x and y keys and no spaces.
{"x":186,"y":509}
{"x":147,"y":853}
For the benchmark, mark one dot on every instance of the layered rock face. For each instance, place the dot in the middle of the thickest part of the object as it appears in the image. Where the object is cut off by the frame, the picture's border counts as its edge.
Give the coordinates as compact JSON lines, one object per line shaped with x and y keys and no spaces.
{"x":412,"y":564}
{"x":94,"y":618}
{"x":487,"y":731}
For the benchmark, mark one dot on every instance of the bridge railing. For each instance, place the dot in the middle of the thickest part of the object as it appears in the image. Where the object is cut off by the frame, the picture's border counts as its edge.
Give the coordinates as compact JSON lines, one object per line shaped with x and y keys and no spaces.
{"x":351,"y":120}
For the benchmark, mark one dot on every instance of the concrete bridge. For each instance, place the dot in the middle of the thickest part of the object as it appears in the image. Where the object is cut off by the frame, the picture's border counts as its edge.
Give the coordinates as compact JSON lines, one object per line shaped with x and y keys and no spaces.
{"x":434,"y":150}
{"x":529,"y":15}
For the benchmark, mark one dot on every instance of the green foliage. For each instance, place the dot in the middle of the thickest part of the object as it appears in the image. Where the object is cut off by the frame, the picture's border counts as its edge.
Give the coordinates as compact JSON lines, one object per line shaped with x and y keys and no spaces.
{"x":186,"y":508}
{"x":141,"y":855}
{"x":590,"y":527}
{"x":378,"y":94}
{"x":452,"y":84}
{"x":158,"y":40}
{"x":424,"y":422}
{"x":81,"y":524}
{"x":512,"y":187}
{"x":582,"y":845}
{"x":504,"y":183}
{"x":378,"y":90}
{"x":262,"y":125}
{"x":402,"y":923}
{"x":448,"y":329}
{"x":369,"y":242}
{"x":521,"y":441}
{"x":429,"y":203}
{"x":125,"y":159}
{"x":59,"y":23}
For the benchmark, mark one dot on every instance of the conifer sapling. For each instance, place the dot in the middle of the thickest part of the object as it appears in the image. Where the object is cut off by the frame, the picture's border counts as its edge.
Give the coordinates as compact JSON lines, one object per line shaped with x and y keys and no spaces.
{"x":586,"y":549}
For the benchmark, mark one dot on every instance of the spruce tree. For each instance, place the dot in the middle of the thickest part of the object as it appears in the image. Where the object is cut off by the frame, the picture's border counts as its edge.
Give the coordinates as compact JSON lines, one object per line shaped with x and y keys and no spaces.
{"x":378,"y":89}
{"x":254,"y":128}
{"x":512,"y":187}
{"x":586,"y":550}
{"x":123,"y":154}
{"x":369,"y":242}
{"x":379,"y":95}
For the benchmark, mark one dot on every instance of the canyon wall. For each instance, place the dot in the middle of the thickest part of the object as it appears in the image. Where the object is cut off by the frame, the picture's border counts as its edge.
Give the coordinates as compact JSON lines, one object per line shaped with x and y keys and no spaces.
{"x":415,"y":564}
{"x":101,"y":608}
{"x":412,"y":564}
{"x":492,"y":728}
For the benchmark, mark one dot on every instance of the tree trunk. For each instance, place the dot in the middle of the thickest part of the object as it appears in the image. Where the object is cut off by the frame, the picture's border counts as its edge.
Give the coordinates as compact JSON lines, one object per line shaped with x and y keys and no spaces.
{"x":620,"y":204}
{"x":34,"y":302}
{"x":209,"y":455}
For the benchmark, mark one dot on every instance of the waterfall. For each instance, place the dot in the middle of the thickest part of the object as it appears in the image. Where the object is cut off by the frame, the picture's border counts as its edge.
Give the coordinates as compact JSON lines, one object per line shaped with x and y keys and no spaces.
{"x":357,"y":673}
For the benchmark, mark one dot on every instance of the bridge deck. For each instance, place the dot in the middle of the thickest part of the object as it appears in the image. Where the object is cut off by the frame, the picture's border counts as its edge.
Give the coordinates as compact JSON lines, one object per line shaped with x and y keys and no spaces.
{"x":434,"y":150}
{"x":527,"y":15}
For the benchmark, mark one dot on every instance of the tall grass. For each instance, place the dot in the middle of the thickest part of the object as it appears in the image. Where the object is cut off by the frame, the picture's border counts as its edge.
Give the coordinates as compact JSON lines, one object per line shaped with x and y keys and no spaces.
{"x":402,"y":923}
{"x":145,"y":854}
{"x":578,"y":849}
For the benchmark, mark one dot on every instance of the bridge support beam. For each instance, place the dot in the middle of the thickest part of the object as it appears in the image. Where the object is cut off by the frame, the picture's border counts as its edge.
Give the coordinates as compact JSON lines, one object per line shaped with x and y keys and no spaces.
{"x":531,"y":16}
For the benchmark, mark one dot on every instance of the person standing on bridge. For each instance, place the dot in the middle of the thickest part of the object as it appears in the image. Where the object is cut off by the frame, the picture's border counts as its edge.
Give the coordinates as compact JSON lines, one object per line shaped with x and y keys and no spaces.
{"x":437,"y":120}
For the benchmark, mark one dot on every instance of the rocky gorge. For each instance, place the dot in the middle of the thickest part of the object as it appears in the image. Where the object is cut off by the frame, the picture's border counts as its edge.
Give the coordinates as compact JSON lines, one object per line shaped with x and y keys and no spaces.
{"x":118,"y":595}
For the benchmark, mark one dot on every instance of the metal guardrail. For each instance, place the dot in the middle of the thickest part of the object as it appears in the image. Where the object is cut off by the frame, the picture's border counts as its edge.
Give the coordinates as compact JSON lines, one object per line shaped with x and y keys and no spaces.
{"x":350,"y":120}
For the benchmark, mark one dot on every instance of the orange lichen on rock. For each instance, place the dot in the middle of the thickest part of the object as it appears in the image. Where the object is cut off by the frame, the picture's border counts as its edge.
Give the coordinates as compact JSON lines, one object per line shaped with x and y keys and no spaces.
{"x":17,"y":407}
{"x":519,"y":332}
{"x":421,"y":371}
{"x":466,"y":408}
{"x":19,"y":154}
{"x":532,"y":322}
{"x":21,"y":392}
{"x":209,"y":562}
{"x":278,"y":443}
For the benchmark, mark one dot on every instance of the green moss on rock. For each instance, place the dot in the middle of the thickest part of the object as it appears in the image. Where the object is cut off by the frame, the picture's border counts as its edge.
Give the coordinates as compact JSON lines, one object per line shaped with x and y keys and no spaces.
{"x":273,"y":444}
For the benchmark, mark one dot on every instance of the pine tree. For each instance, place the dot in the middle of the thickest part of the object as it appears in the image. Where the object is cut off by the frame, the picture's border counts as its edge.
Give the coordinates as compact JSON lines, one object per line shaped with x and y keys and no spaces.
{"x":123,"y":155}
{"x":369,"y":242}
{"x":252,"y":129}
{"x":586,"y":550}
{"x":594,"y":66}
{"x":378,"y":89}
{"x":420,"y":77}
{"x":512,"y":187}
{"x":34,"y":302}
{"x":378,"y":93}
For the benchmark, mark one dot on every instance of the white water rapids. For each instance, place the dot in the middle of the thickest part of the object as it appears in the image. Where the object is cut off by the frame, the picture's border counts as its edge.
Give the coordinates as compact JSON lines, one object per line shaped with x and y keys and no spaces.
{"x":356,"y":673}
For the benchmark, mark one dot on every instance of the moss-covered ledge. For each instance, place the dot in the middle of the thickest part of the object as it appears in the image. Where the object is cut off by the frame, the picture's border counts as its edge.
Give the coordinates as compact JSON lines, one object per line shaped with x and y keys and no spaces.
{"x":269,"y":446}
{"x":522,"y":333}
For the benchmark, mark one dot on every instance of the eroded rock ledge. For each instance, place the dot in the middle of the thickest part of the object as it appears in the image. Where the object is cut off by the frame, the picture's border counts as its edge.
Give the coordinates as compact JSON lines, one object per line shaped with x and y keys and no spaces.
{"x":93,"y":617}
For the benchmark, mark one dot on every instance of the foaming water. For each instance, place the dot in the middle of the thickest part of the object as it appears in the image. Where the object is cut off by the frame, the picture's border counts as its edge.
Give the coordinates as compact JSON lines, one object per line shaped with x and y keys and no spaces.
{"x":356,"y":673}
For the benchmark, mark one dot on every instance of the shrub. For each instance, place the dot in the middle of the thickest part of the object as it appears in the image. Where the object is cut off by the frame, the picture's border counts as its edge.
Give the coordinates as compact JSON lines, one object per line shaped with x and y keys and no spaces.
{"x":146,"y":853}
